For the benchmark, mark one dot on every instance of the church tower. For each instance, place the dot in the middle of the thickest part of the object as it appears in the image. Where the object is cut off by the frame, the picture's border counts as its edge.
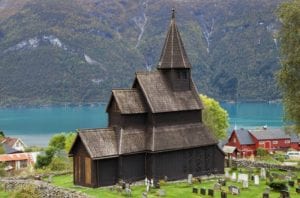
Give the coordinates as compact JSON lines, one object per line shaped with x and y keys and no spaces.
{"x":173,"y":61}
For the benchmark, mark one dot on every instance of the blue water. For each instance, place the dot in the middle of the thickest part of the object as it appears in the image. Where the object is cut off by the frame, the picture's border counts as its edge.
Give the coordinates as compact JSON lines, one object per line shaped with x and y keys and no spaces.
{"x":36,"y":125}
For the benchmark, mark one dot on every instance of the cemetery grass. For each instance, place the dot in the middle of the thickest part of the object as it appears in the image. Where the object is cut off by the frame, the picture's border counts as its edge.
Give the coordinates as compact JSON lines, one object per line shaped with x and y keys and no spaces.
{"x":180,"y":189}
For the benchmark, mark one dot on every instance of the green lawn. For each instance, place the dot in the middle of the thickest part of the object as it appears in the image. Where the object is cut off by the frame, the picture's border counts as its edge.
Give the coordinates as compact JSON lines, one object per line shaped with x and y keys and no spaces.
{"x":171,"y":189}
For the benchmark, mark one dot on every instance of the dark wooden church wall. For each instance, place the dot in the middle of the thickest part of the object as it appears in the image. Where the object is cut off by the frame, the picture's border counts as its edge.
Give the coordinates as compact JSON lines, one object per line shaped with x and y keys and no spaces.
{"x":132,"y":167}
{"x":181,"y":117}
{"x":106,"y":171}
{"x":178,"y":164}
{"x":134,"y":120}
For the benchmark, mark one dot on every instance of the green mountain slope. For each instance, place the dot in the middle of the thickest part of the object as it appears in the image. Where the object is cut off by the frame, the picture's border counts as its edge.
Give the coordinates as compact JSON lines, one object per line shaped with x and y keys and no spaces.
{"x":76,"y":51}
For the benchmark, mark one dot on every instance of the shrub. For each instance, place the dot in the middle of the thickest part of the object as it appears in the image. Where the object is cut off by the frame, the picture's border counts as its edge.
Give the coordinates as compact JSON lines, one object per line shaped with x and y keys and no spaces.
{"x":59,"y":164}
{"x":27,"y":191}
{"x":261,"y":152}
{"x":278,"y":185}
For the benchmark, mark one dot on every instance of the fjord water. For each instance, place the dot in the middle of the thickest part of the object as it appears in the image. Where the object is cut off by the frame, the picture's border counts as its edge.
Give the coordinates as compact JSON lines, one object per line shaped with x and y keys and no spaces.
{"x":36,"y":125}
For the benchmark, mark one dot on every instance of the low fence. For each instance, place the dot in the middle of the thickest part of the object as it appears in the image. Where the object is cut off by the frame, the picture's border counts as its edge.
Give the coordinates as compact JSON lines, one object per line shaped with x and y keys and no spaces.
{"x":249,"y":163}
{"x":44,"y":189}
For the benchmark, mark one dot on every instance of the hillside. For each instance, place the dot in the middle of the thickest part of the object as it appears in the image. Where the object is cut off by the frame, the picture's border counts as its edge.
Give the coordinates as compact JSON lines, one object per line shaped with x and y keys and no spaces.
{"x":76,"y":51}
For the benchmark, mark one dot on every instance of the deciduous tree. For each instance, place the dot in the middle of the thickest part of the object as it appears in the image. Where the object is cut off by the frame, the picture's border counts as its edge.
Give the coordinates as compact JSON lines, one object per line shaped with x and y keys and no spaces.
{"x":215,"y":117}
{"x":289,"y":73}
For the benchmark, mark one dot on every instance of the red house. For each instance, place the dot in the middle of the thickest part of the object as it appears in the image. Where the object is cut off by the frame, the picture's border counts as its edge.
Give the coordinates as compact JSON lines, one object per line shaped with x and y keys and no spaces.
{"x":271,"y":139}
{"x":295,"y":142}
{"x":242,"y":140}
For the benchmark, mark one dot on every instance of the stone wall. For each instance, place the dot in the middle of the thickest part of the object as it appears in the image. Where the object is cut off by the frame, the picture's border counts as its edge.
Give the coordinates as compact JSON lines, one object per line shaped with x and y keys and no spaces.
{"x":45,"y":189}
{"x":248,"y":163}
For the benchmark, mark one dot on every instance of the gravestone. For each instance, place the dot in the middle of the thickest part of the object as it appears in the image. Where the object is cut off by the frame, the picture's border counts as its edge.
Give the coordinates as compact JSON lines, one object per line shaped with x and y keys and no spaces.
{"x":203,"y":191}
{"x":242,"y":177}
{"x":263,"y":173}
{"x":128,"y":192}
{"x":217,"y":186}
{"x":148,"y":186}
{"x":234,"y":190}
{"x":223,"y":194}
{"x":166,"y":178}
{"x":287,"y":178}
{"x":190,"y":178}
{"x":245,"y":184}
{"x":233,"y":177}
{"x":265,"y":195}
{"x":210,"y":192}
{"x":156,"y":184}
{"x":291,"y":183}
{"x":256,"y":180}
{"x":222,"y":182}
{"x":298,"y":190}
{"x":284,"y":194}
{"x":271,"y":179}
{"x":161,"y":192}
{"x":144,"y":195}
{"x":267,"y":189}
{"x":227,"y":175}
{"x":152,"y":183}
{"x":146,"y":181}
{"x":195,"y":190}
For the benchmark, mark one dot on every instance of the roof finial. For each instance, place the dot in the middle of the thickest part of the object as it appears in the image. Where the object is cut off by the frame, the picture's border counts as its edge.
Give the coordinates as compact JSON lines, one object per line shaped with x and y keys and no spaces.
{"x":173,"y":13}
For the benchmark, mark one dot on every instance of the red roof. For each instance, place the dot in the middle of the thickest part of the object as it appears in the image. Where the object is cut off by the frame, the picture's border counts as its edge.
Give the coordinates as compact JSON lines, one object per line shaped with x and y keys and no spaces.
{"x":15,"y":157}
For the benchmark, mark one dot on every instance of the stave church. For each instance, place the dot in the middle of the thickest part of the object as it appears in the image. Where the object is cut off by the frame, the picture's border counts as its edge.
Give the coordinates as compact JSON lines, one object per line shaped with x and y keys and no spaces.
{"x":154,"y":130}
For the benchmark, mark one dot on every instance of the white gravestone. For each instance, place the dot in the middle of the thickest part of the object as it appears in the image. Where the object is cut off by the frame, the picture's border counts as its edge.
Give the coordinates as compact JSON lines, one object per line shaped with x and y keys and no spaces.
{"x":233,"y":177}
{"x":242,"y":177}
{"x":152,"y":183}
{"x":146,"y":180}
{"x":190,"y":177}
{"x":227,"y":173}
{"x":263,"y":173}
{"x":148,"y":185}
{"x":256,"y":180}
{"x":245,"y":184}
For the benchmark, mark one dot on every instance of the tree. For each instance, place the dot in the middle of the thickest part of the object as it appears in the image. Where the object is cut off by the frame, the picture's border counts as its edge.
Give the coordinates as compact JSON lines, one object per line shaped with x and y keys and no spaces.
{"x":2,"y":134}
{"x":70,"y":137}
{"x":289,"y":73}
{"x":215,"y":117}
{"x":58,"y":141}
{"x":2,"y":150}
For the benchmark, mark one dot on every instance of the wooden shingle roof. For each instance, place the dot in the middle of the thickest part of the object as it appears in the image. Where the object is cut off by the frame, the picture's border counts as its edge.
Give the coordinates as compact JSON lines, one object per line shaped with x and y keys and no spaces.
{"x":129,"y":101}
{"x":181,"y":136}
{"x":173,"y":53}
{"x":160,"y":96}
{"x":99,"y":143}
{"x":132,"y":140}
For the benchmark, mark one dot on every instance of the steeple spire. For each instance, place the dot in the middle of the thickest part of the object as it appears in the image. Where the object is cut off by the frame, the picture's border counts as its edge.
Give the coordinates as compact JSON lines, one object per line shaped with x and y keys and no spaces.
{"x":173,"y":53}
